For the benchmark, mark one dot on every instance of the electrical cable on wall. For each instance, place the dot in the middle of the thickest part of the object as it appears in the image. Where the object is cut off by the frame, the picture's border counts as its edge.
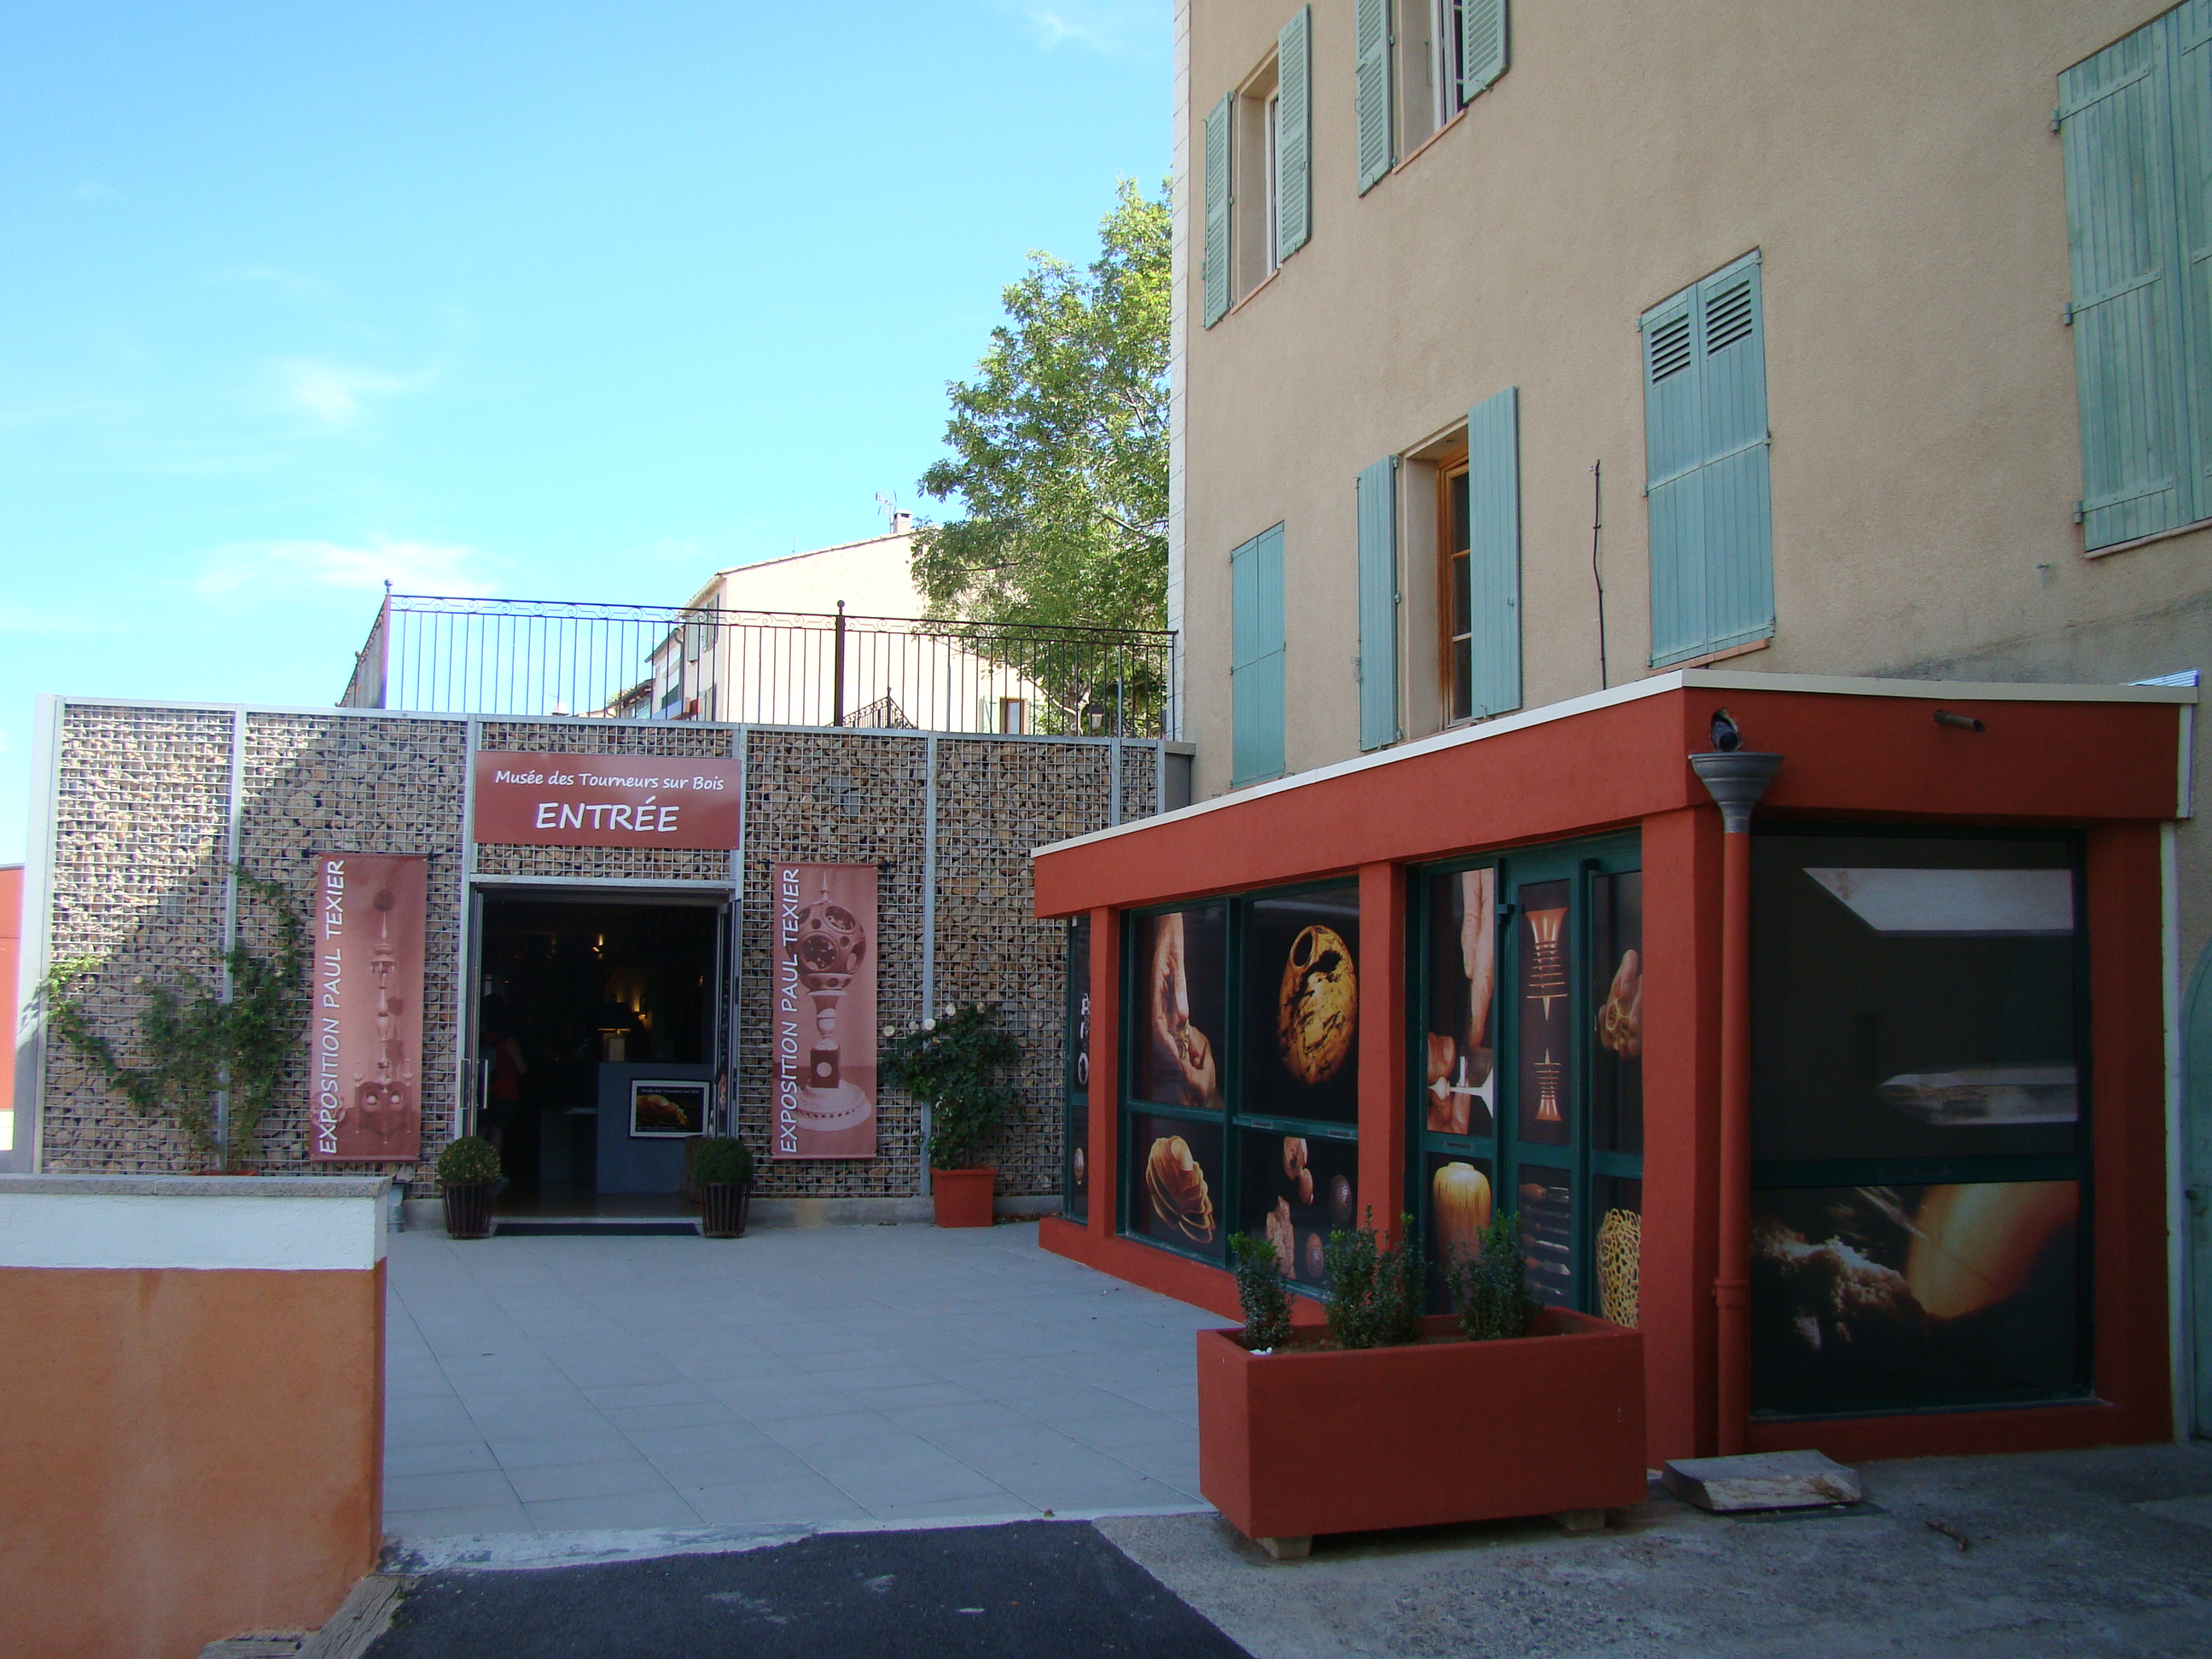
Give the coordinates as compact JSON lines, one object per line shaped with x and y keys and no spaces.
{"x":1597,"y":575}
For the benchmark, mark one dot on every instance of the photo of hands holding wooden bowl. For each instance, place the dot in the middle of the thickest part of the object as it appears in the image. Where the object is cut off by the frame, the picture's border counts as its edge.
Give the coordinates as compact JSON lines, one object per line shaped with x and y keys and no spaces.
{"x":1181,"y":1064}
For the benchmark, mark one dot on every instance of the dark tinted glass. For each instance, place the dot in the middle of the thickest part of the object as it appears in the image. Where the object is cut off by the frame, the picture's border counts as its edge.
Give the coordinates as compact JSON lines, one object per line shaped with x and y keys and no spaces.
{"x":1180,"y":1019}
{"x":1912,"y":997}
{"x":1301,"y":1038}
{"x":1460,"y":1041}
{"x":1542,"y":933}
{"x":1176,"y":1190}
{"x":1295,"y":1190}
{"x":1616,"y":994}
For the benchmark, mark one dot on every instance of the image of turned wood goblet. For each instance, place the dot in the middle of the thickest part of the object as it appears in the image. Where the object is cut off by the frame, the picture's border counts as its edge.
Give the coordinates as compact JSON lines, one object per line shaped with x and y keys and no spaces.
{"x":828,"y":946}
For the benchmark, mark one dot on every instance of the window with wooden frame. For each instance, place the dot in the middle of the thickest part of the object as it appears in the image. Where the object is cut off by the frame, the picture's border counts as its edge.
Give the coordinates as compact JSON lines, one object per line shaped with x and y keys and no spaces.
{"x":1455,"y":632}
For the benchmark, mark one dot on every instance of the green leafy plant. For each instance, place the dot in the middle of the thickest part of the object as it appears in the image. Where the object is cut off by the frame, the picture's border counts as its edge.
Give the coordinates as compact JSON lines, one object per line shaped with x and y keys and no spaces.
{"x":1260,"y":1291}
{"x":471,"y":1160}
{"x":1374,"y":1289}
{"x":203,"y":1044}
{"x":1058,"y":461}
{"x":723,"y":1161}
{"x":953,"y":1062}
{"x":1489,"y":1287}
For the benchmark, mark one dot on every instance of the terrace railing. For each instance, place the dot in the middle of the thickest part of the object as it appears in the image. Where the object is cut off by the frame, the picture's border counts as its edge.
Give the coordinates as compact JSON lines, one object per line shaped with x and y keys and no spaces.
{"x":531,"y":657}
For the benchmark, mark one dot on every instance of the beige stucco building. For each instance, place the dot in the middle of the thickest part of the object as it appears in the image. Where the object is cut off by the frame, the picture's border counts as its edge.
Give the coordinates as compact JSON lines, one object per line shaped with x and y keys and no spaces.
{"x":1893,"y":182}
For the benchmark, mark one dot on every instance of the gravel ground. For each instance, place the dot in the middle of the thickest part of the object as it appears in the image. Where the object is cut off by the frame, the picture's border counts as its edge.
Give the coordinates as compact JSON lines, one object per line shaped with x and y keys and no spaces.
{"x":2016,"y":1557}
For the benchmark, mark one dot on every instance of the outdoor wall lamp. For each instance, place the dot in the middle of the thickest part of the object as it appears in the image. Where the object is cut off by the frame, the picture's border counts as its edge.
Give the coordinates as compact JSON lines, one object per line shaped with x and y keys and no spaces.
{"x":1735,"y":778}
{"x":1094,"y":716}
{"x":1963,"y":722}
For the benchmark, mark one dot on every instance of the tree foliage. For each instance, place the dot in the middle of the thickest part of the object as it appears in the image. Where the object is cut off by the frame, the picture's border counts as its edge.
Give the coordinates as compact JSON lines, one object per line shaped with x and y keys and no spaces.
{"x":1060,"y":445}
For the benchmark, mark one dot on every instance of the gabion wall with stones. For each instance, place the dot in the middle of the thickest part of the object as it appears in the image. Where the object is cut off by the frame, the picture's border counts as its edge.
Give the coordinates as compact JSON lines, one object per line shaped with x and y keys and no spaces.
{"x":143,"y":801}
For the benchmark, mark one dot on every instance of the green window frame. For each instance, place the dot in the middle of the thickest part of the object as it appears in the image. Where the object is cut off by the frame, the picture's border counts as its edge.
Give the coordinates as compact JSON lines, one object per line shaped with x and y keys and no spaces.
{"x":2135,"y":122}
{"x":1075,"y":1076}
{"x":1593,"y":1165}
{"x":1257,"y":650}
{"x":1253,"y":1131}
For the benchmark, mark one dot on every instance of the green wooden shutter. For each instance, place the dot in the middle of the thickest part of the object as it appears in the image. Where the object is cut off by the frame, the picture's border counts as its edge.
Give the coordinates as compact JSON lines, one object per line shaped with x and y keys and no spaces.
{"x":1482,"y":43}
{"x":1217,"y":212}
{"x":1376,"y":491}
{"x":1294,"y":135}
{"x":1706,"y":467}
{"x":1371,"y":44}
{"x":1255,"y":658}
{"x":1493,"y":500}
{"x":2116,"y":115}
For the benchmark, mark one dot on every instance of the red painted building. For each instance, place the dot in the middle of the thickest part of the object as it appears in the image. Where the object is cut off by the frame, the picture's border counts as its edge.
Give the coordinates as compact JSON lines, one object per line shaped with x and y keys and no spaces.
{"x":1864,"y":1120}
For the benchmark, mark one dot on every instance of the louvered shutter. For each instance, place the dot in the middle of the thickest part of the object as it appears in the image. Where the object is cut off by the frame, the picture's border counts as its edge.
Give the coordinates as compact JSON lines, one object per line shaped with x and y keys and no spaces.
{"x":1482,"y":29}
{"x":1493,"y":500}
{"x":1255,"y":658}
{"x":1217,"y":212}
{"x":2116,"y":117}
{"x":1376,"y":491}
{"x":1739,"y":557}
{"x":1706,"y":467}
{"x":1294,"y":135}
{"x":1370,"y":43}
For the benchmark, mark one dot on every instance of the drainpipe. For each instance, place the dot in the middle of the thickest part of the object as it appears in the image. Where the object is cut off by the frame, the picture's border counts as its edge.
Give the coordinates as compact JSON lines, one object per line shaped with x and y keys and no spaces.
{"x":1735,"y":780}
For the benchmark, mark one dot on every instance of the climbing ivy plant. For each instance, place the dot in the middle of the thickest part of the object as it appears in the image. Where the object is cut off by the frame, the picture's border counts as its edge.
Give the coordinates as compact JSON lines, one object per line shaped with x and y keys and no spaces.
{"x":202,"y":1045}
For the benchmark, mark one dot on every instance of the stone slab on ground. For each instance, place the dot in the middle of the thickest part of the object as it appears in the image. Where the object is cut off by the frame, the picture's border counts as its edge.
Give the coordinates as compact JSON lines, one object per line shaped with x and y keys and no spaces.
{"x":1762,"y":1480}
{"x":1037,"y":1589}
{"x":1984,"y":1558}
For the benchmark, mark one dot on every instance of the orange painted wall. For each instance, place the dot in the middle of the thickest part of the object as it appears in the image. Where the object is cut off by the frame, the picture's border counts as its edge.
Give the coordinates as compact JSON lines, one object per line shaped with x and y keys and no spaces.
{"x":184,"y":1456}
{"x":2109,"y":767}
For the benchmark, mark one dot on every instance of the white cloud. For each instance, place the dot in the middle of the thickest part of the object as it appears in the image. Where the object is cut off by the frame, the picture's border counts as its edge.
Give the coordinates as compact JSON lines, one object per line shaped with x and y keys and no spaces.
{"x":303,"y":567}
{"x":95,"y":190}
{"x":1112,"y":28}
{"x":332,"y":394}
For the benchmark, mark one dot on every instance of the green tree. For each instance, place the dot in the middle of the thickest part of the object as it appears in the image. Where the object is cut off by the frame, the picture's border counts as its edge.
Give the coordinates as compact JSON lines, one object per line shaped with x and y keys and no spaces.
{"x":1060,"y":445}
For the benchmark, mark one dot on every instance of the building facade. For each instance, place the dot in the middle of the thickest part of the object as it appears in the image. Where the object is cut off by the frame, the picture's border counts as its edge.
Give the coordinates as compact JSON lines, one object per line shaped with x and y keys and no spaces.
{"x":1564,"y":391}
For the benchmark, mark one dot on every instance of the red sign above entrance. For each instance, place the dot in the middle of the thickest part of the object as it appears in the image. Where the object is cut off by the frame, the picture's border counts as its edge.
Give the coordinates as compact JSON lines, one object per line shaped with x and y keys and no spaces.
{"x":607,"y":800}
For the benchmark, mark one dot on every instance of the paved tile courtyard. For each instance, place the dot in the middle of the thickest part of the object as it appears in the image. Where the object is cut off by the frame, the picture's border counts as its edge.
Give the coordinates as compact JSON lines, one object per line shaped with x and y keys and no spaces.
{"x":830,"y":1374}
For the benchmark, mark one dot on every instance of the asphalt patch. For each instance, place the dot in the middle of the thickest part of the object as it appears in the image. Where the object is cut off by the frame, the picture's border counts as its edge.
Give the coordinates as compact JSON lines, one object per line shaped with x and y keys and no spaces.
{"x":1030,"y":1589}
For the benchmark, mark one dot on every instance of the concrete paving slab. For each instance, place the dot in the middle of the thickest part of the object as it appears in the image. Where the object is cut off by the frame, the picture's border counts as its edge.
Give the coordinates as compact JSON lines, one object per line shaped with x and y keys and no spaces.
{"x":798,"y":1376}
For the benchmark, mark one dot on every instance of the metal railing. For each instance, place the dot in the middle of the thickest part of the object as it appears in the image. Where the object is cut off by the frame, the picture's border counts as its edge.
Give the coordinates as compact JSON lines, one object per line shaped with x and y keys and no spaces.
{"x":525,"y":657}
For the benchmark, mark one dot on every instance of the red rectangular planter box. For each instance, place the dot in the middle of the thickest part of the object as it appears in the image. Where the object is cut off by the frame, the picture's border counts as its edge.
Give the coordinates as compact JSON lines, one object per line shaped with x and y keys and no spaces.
{"x":1292,"y":1443}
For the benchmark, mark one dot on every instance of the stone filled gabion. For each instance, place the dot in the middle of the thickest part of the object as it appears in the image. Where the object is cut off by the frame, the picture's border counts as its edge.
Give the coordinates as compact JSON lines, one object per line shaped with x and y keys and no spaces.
{"x":143,"y":801}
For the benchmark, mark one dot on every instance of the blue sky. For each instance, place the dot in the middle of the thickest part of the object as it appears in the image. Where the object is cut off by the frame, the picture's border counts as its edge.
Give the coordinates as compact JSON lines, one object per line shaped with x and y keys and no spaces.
{"x":548,"y":300}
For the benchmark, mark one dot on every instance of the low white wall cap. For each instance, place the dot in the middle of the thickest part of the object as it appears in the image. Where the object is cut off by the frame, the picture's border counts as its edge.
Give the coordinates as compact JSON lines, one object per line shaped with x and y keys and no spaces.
{"x":210,"y":1223}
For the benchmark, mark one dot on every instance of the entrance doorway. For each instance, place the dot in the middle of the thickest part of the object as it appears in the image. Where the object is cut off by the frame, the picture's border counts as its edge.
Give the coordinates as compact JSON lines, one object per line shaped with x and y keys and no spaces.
{"x":599,"y":1043}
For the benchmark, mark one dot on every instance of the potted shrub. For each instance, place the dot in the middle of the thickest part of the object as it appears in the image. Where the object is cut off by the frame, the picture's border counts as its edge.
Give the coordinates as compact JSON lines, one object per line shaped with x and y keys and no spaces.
{"x":723,"y":1168}
{"x":1391,"y":1419}
{"x":468,"y":1169}
{"x":954,"y":1062}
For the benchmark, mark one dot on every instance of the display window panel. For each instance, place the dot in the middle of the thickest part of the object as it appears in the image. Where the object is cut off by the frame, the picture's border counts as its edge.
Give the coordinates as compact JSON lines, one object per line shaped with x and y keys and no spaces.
{"x":1616,"y":992}
{"x":1300,"y":1057}
{"x":1892,"y":1297}
{"x":1915,"y":997}
{"x":1075,"y":1190}
{"x":1544,"y":1194}
{"x":1542,"y":933}
{"x":1293,"y":1191}
{"x":1458,"y":1197}
{"x":1616,"y":1258}
{"x":1459,"y":1041}
{"x":1178,"y":1185}
{"x":1182,"y":958}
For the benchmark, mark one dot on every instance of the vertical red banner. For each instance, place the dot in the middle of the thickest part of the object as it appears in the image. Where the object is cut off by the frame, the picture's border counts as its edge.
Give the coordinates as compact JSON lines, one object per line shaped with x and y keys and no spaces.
{"x":365,"y":1034}
{"x":823,"y":980}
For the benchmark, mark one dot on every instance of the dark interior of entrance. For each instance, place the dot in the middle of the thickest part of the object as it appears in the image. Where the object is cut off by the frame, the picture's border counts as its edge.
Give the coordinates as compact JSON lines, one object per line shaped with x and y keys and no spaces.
{"x":595,"y":1047}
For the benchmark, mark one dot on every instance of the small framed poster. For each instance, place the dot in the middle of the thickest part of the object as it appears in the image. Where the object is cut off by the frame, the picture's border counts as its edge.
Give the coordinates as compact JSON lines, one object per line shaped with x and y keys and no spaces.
{"x":667,"y":1109}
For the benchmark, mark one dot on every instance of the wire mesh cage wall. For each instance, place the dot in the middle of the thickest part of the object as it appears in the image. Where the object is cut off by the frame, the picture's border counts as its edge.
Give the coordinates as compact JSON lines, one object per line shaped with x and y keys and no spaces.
{"x":519,"y":656}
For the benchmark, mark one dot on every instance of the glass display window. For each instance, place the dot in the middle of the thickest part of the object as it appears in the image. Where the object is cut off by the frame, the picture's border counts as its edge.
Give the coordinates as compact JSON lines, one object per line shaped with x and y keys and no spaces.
{"x":1528,"y":1063}
{"x":1243,"y":1056}
{"x":1179,"y":1183}
{"x":1293,"y":1191}
{"x":1919,"y":1104}
{"x":1075,"y":1161}
{"x":1182,"y":1027}
{"x":1301,"y":1004}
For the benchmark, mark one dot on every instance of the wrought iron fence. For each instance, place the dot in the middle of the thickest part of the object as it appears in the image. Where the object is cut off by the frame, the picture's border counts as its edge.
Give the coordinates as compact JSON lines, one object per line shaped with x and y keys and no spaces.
{"x":523,"y":657}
